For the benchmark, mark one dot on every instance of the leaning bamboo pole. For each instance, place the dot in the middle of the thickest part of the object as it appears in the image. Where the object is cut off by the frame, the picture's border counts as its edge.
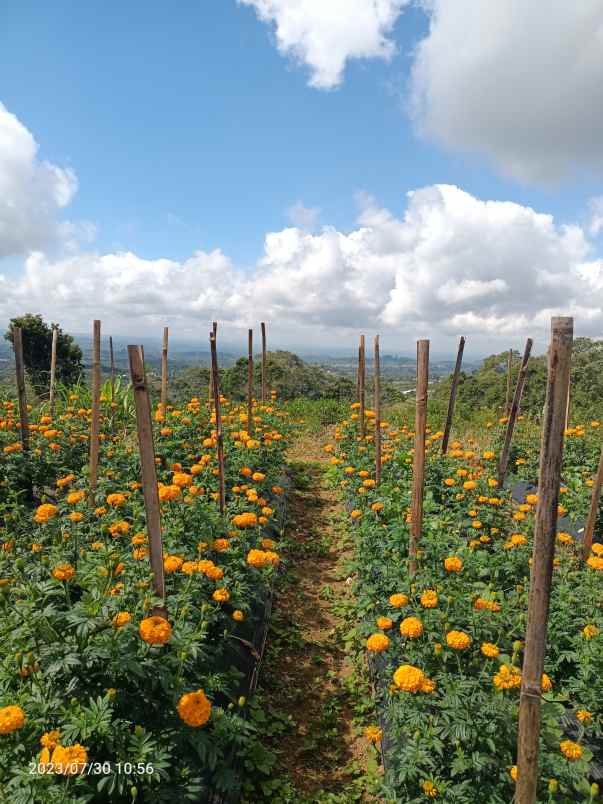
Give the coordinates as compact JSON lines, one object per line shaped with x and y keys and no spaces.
{"x":21,"y":393}
{"x":418,"y":473}
{"x":453,"y":392}
{"x":377,"y":405}
{"x":210,"y":390}
{"x":361,"y":387}
{"x":509,"y":382}
{"x":545,"y":530}
{"x":144,"y":424}
{"x":218,"y":414}
{"x":95,"y":420}
{"x":164,"y":371}
{"x":53,"y":368}
{"x":503,"y":465}
{"x":263,"y":327}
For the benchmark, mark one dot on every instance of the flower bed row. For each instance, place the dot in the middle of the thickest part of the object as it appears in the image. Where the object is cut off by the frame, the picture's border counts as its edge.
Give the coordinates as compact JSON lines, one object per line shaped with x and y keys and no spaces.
{"x":100,"y":698}
{"x":447,"y":647}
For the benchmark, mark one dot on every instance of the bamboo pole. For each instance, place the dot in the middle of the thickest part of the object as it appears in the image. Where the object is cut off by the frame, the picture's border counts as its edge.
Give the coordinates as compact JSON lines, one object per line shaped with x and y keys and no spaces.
{"x":250,"y":383}
{"x":21,"y":393}
{"x":95,"y":423}
{"x":210,"y":391}
{"x":144,"y":424}
{"x":452,"y":399}
{"x":377,"y":405}
{"x":509,"y":382}
{"x":53,"y":367}
{"x":358,"y":377}
{"x":521,"y":381}
{"x":568,"y":403}
{"x":587,"y":538}
{"x":164,"y":370}
{"x":418,"y":472}
{"x":219,"y":435}
{"x":361,"y":387}
{"x":545,"y":530}
{"x":112,"y":358}
{"x":263,"y":326}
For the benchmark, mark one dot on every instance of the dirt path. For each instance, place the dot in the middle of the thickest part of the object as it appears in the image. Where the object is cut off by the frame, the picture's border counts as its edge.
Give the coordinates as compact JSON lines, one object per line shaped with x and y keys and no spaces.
{"x":309,"y":675}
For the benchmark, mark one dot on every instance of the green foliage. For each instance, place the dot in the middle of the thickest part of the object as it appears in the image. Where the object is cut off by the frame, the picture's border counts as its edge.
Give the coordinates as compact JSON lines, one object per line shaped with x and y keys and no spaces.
{"x":37,"y":347}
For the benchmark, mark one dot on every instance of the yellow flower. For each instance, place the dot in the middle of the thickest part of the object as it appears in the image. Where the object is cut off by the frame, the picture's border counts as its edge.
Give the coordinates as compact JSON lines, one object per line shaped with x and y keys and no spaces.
{"x":155,"y":630}
{"x":63,"y":572}
{"x":584,"y":716}
{"x":453,"y":564}
{"x":596,"y":563}
{"x":384,"y":622}
{"x":121,"y":618}
{"x":507,"y":677}
{"x":50,"y":739}
{"x":411,"y":627}
{"x":75,"y":497}
{"x":570,"y":750}
{"x":429,"y":788}
{"x":194,"y":708}
{"x":246,"y":520}
{"x":398,"y":600}
{"x":172,"y":564}
{"x":458,"y":640}
{"x":546,"y":684}
{"x":513,"y":773}
{"x":11,"y":718}
{"x":221,"y":595}
{"x":116,"y":500}
{"x":490,"y":650}
{"x":238,"y":615}
{"x":45,"y":512}
{"x":429,"y":599}
{"x":590,"y":631}
{"x":373,"y":734}
{"x":377,"y":643}
{"x":69,"y":760}
{"x":409,"y":678}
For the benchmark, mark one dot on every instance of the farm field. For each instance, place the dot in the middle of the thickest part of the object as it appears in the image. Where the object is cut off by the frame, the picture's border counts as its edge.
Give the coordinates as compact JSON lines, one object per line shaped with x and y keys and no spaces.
{"x":255,"y":630}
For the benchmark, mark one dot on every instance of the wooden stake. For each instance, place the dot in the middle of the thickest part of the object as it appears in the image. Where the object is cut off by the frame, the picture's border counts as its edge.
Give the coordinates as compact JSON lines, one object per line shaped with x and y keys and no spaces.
{"x":95,"y":423}
{"x":144,"y":424}
{"x":53,"y":367}
{"x":377,"y":405}
{"x":263,"y":326}
{"x":361,"y":387}
{"x":452,"y":399}
{"x":587,"y":538}
{"x":112,"y":357}
{"x":418,"y":472}
{"x":509,"y":380}
{"x":164,"y":370}
{"x":219,"y":435}
{"x":521,"y":381}
{"x":545,"y":531}
{"x":20,"y":377}
{"x":211,"y":376}
{"x":567,"y":405}
{"x":250,"y":384}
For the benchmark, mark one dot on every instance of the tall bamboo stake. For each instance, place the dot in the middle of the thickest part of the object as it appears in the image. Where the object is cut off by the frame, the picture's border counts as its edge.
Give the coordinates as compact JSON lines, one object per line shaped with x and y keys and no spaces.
{"x":418,"y":472}
{"x":358,"y":376}
{"x":377,"y":405}
{"x":112,"y":358}
{"x":250,"y":383}
{"x":568,"y":403}
{"x":545,"y":530}
{"x":587,"y":538}
{"x":21,"y":393}
{"x":144,"y":424}
{"x":164,"y":370}
{"x":521,"y":381}
{"x":509,"y":382}
{"x":53,"y":367}
{"x":95,"y":423}
{"x":452,"y":399}
{"x":263,"y":326}
{"x":361,"y":387}
{"x":219,"y":435}
{"x":211,"y":376}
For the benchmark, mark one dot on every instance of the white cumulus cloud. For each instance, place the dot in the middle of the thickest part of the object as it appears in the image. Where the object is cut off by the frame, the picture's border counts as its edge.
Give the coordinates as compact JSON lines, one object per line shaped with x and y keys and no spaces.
{"x":325,"y":34}
{"x":519,"y":82}
{"x":32,"y":192}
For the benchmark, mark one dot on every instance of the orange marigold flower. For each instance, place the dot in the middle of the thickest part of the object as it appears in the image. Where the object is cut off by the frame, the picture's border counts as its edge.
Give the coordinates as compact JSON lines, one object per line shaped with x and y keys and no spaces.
{"x":194,"y":709}
{"x":155,"y":630}
{"x":377,"y":643}
{"x":411,"y":627}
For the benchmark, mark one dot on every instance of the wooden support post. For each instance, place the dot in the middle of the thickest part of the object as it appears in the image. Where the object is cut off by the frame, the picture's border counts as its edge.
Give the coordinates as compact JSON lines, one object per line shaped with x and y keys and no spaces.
{"x":95,"y":423}
{"x":210,"y":397}
{"x":545,"y":531}
{"x":250,"y":383}
{"x":358,"y":376}
{"x":53,"y":367}
{"x":452,"y":399}
{"x":20,"y":377}
{"x":112,"y":358}
{"x":377,"y":405}
{"x":509,"y":382}
{"x":418,"y":472}
{"x":361,"y":387}
{"x":587,"y":538}
{"x":144,"y":424}
{"x":503,"y":465}
{"x":219,"y":435}
{"x":164,"y":371}
{"x":568,"y":403}
{"x":263,"y":326}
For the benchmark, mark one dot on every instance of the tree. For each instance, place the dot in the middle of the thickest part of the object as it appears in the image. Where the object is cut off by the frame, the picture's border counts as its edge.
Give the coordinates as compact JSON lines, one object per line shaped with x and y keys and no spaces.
{"x":37,"y":349}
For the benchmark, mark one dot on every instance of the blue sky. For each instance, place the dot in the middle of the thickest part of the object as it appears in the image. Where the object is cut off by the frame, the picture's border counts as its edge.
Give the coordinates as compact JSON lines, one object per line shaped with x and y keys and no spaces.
{"x":188,"y":130}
